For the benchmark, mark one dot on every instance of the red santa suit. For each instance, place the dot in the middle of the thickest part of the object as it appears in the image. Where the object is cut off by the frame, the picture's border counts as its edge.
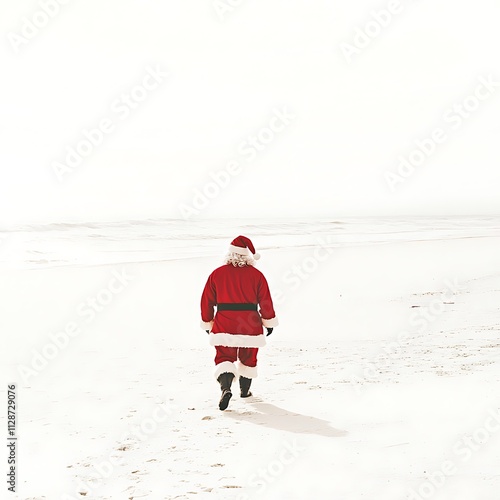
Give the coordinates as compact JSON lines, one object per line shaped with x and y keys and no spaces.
{"x":244,"y":307}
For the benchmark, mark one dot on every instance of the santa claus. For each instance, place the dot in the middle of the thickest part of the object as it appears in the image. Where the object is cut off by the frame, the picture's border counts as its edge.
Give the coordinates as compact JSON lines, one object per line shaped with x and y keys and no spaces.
{"x":244,"y":306}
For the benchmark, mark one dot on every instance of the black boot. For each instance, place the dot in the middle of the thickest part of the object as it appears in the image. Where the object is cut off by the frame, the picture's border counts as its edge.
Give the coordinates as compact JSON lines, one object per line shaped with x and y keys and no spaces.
{"x":245,"y":387}
{"x":225,"y":380}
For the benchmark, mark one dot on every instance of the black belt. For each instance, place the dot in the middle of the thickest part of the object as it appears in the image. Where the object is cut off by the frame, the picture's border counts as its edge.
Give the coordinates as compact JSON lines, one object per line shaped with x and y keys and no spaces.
{"x":236,"y":306}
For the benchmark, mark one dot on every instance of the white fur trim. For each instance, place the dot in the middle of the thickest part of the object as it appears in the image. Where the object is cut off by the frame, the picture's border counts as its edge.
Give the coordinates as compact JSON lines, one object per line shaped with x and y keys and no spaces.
{"x":240,"y":250}
{"x":256,"y":256}
{"x":206,"y":325}
{"x":246,"y":371}
{"x":225,"y":367}
{"x":270,"y":323}
{"x":237,"y":340}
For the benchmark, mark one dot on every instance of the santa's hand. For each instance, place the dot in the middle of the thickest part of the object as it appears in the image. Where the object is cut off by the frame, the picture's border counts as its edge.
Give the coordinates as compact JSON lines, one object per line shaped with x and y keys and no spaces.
{"x":269,"y":331}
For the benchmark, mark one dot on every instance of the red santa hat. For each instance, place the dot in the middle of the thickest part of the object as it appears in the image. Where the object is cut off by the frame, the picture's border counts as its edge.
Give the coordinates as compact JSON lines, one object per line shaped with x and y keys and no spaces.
{"x":243,"y":246}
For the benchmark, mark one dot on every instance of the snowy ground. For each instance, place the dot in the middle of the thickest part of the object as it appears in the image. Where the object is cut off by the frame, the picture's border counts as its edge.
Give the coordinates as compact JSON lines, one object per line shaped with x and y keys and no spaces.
{"x":381,"y":382}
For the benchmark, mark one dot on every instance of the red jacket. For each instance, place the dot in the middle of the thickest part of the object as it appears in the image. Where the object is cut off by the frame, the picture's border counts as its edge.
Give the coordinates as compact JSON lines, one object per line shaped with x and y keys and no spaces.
{"x":230,"y":284}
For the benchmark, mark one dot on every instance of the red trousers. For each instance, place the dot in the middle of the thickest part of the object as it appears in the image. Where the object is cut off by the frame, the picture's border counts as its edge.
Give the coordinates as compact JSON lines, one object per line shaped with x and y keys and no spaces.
{"x":246,"y":355}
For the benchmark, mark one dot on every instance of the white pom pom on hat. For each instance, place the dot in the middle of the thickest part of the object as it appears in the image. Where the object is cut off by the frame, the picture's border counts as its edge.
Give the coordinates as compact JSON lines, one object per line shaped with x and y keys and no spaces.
{"x":242,"y":245}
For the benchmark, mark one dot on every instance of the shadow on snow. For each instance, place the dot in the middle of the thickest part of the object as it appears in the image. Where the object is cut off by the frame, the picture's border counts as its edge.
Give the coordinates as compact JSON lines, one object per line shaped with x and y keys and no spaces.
{"x":273,"y":416}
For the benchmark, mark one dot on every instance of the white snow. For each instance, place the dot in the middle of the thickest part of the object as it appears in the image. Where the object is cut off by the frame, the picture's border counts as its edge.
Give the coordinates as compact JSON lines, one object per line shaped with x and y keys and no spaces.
{"x":382,"y":379}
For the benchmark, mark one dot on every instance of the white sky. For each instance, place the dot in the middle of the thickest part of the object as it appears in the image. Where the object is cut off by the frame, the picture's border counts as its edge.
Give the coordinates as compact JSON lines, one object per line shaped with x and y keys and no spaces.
{"x":352,"y":121}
